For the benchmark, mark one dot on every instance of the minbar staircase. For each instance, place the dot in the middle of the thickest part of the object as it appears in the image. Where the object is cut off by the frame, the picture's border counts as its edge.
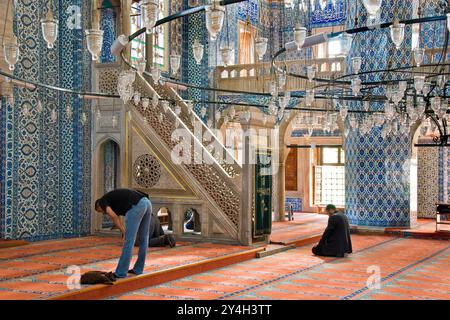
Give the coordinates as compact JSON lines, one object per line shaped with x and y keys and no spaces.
{"x":215,"y":181}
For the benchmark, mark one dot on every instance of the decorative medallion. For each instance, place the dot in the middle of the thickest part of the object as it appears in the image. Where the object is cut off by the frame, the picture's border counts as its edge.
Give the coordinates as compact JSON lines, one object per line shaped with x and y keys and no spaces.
{"x":146,"y":170}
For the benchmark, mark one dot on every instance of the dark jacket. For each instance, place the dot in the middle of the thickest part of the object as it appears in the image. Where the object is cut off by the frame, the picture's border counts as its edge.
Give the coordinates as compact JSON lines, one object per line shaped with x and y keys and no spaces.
{"x":336,"y":238}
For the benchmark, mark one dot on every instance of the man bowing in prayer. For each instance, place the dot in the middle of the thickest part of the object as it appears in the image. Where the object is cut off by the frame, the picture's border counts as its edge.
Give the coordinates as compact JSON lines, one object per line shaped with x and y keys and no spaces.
{"x":137,"y":209}
{"x":335,"y":241}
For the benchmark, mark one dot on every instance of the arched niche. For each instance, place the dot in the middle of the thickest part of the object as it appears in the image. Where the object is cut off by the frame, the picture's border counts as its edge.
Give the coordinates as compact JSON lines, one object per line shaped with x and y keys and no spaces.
{"x":108,"y":175}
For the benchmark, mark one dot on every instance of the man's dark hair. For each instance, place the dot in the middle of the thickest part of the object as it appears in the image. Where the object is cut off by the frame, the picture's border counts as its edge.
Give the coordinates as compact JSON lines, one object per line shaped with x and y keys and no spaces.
{"x":330,"y":207}
{"x":101,"y":204}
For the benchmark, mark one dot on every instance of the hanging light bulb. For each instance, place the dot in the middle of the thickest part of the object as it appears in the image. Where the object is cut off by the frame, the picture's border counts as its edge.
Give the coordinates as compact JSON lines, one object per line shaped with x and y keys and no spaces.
{"x":198,"y":50}
{"x":232,"y":112}
{"x":214,"y":17}
{"x":343,"y":112}
{"x":49,"y":27}
{"x":226,"y":53}
{"x":53,"y":116}
{"x":311,"y":72}
{"x":39,"y":107}
{"x":125,"y":85}
{"x":11,"y":53}
{"x":442,"y":80}
{"x":165,"y":105}
{"x":149,"y":14}
{"x":155,"y":100}
{"x":282,"y":79}
{"x":272,"y":108}
{"x":177,"y":110}
{"x":94,"y":41}
{"x":25,"y":110}
{"x":247,"y":116}
{"x":299,"y":36}
{"x":356,"y":64}
{"x":419,"y":82}
{"x":209,"y":123}
{"x":203,"y":112}
{"x":225,"y":120}
{"x":83,"y":118}
{"x":356,"y":86}
{"x":114,"y":121}
{"x":261,"y":47}
{"x":402,"y":87}
{"x":426,"y":88}
{"x":397,"y":33}
{"x":175,"y":61}
{"x":145,"y":103}
{"x":309,"y":97}
{"x":346,"y":41}
{"x":190,"y":105}
{"x":140,"y":65}
{"x":156,"y":74}
{"x":137,"y":98}
{"x":264,"y":119}
{"x":288,"y":3}
{"x":372,"y":7}
{"x":69,"y":112}
{"x":419,"y":54}
{"x":217,"y":115}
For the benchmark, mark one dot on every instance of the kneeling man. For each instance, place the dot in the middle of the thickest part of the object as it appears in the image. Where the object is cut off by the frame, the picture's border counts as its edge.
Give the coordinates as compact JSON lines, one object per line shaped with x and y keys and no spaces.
{"x":335,"y":241}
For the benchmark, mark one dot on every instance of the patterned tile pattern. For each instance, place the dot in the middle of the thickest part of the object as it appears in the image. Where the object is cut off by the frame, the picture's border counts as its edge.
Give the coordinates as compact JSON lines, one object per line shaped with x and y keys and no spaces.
{"x":296,"y":204}
{"x":46,"y":169}
{"x":378,"y":170}
{"x":427,"y":176}
{"x":108,"y":25}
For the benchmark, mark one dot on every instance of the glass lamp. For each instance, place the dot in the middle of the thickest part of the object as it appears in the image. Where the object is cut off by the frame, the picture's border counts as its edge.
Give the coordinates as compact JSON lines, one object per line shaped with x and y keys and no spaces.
{"x":175,"y":61}
{"x":261,"y":47}
{"x":198,"y":50}
{"x":94,"y":40}
{"x":372,"y":7}
{"x":149,"y":14}
{"x":215,"y":15}
{"x":397,"y":33}
{"x":299,"y":36}
{"x":49,"y":27}
{"x":11,"y":53}
{"x":356,"y":64}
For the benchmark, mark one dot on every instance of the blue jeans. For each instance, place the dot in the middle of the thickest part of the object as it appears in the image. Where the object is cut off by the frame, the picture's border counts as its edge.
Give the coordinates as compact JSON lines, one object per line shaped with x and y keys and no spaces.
{"x":136,"y":219}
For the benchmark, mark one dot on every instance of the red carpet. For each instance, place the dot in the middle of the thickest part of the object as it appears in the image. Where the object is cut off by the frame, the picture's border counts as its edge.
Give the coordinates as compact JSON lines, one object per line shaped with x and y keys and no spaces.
{"x":297,"y":274}
{"x":304,"y":226}
{"x":38,"y":271}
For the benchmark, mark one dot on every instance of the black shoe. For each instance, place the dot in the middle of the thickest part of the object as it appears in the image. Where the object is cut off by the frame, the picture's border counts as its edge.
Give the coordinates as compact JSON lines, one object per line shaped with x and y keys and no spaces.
{"x":131,"y":271}
{"x":170,"y":240}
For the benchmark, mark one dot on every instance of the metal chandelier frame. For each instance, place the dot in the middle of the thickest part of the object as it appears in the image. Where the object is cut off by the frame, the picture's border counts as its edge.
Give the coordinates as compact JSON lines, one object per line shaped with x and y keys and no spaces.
{"x":442,"y":140}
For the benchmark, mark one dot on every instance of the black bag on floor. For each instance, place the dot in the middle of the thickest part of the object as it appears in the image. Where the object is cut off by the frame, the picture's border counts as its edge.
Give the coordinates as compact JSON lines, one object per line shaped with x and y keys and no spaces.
{"x":98,"y":277}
